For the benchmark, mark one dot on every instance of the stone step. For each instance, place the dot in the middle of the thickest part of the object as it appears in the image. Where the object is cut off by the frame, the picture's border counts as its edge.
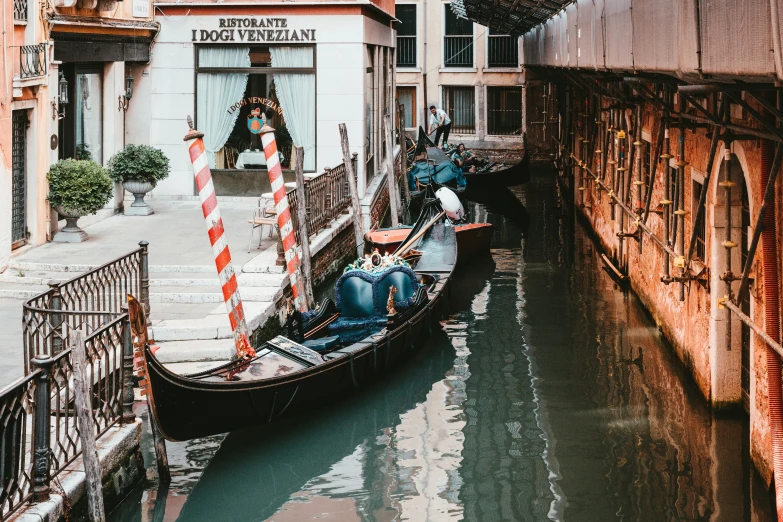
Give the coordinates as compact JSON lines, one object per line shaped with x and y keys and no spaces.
{"x":172,"y":352}
{"x":214,"y":326}
{"x":27,"y":266}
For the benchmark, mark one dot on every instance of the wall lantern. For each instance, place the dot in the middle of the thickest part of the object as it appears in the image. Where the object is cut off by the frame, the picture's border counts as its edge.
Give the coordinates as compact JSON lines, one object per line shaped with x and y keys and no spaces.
{"x":122,"y":101}
{"x":62,"y":98}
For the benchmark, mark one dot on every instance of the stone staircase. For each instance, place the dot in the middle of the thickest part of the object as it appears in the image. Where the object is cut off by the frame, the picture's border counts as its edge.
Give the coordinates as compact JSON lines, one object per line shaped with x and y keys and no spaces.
{"x":187,"y":308}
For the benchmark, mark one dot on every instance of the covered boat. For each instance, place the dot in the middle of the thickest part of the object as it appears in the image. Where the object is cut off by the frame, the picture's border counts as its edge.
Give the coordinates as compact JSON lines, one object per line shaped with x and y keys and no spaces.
{"x":431,"y":165}
{"x":384,"y":311}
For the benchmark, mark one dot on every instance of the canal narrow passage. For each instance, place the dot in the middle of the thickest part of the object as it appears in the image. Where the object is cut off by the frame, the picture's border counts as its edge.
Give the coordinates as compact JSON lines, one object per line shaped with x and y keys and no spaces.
{"x":549,"y":395}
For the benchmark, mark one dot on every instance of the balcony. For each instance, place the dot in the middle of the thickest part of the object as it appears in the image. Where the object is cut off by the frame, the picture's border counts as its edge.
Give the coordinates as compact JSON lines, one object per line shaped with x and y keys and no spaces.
{"x":32,"y":61}
{"x":458,"y":51}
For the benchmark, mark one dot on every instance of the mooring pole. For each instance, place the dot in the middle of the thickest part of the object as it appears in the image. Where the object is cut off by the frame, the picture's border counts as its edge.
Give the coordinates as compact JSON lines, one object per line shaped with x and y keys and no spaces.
{"x":209,"y":207}
{"x":304,"y":230}
{"x":83,"y":399}
{"x":358,"y":232}
{"x":391,"y":176}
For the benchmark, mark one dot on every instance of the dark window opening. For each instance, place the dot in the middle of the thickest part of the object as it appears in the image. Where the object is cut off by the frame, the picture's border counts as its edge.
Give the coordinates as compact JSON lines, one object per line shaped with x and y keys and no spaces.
{"x":18,"y":181}
{"x":457,"y":41}
{"x":460,"y":104}
{"x":407,"y":98}
{"x":504,"y":111}
{"x":503,"y":50}
{"x":406,"y":35}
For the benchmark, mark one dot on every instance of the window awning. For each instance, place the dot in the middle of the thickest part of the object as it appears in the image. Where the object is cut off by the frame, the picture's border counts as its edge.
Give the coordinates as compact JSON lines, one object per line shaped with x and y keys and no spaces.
{"x":513,"y":17}
{"x":110,"y":40}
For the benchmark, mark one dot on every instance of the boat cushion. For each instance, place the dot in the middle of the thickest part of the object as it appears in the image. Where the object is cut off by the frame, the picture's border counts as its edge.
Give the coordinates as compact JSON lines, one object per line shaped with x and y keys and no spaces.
{"x":323,"y":343}
{"x":361,"y":294}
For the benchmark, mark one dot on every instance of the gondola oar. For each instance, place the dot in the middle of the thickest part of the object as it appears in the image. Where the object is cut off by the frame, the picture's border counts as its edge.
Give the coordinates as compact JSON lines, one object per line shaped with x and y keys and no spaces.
{"x":409,"y":244}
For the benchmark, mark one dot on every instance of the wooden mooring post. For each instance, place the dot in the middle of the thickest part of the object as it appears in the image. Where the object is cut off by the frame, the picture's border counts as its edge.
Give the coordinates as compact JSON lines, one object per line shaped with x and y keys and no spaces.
{"x":404,"y":164}
{"x":83,"y":395}
{"x":391,"y":176}
{"x":304,"y":233}
{"x":358,"y":231}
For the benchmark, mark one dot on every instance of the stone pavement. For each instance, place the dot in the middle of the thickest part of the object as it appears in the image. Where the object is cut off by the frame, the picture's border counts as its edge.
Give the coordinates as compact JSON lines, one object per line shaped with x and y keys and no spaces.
{"x":188,"y":318}
{"x":185,"y":295}
{"x":11,"y":355}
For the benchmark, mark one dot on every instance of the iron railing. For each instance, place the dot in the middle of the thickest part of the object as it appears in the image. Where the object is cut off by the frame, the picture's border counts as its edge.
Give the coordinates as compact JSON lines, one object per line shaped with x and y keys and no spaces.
{"x":504,"y":110}
{"x":32,"y":60}
{"x":327,"y":195}
{"x":457,"y":51}
{"x":503,"y":51}
{"x":20,"y":10}
{"x":406,"y":51}
{"x":39,"y":432}
{"x":86,"y":302}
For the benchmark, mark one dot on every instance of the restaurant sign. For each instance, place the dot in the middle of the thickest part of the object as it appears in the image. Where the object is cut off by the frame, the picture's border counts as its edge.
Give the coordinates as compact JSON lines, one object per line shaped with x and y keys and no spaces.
{"x":253,"y":30}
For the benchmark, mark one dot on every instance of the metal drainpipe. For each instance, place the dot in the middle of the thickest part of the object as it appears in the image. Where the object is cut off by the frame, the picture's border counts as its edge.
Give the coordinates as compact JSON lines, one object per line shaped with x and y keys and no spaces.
{"x":680,"y":212}
{"x":638,"y":144}
{"x":728,"y":244}
{"x":666,"y":202}
{"x":612,"y":161}
{"x":621,"y":170}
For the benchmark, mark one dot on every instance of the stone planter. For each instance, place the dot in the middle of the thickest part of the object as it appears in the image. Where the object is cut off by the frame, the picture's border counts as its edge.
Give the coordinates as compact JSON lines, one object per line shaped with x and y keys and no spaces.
{"x":71,"y":233}
{"x":139,"y":189}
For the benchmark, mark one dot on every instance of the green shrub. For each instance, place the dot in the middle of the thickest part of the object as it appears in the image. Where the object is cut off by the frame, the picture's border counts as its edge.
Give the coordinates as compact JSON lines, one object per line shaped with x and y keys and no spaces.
{"x":139,"y":162}
{"x":80,"y":185}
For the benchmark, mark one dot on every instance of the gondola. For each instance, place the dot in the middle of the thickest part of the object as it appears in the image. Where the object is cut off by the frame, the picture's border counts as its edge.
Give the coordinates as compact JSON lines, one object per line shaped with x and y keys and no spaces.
{"x":381,"y":317}
{"x":473,"y":240}
{"x":431,"y":165}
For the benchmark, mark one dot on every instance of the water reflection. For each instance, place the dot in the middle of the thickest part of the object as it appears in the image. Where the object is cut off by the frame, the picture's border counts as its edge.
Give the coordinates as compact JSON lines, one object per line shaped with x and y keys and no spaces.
{"x":549,"y":395}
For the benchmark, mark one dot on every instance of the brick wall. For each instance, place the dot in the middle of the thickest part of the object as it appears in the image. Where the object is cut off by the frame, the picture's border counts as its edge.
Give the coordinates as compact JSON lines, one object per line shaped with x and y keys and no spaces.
{"x":693,"y":326}
{"x":334,"y":257}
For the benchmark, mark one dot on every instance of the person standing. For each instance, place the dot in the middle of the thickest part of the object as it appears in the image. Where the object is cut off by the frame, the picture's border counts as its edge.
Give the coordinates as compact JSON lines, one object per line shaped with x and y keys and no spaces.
{"x":441,"y":122}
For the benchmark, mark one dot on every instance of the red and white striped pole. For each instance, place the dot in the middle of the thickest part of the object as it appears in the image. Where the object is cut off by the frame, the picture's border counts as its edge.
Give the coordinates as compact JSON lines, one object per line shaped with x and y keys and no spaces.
{"x":209,"y":205}
{"x":283,"y":215}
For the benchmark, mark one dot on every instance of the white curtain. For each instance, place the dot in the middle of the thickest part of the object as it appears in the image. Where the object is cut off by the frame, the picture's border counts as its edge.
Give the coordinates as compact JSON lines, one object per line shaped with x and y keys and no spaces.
{"x":296,"y":93}
{"x":218,"y":92}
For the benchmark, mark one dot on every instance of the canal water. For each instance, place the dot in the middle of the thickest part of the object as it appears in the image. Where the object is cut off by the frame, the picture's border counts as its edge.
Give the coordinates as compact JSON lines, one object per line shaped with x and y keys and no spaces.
{"x":548,"y":395}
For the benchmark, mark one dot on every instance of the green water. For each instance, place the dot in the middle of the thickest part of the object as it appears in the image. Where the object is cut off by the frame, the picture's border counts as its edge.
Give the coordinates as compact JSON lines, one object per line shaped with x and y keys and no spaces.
{"x":549,"y":395}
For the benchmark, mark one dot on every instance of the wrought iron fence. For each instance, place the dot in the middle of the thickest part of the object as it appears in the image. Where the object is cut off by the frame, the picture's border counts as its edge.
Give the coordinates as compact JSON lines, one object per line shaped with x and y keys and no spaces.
{"x":503,"y":51}
{"x":458,"y":51}
{"x":39,"y":432}
{"x":32,"y":60}
{"x":20,"y":10}
{"x":327,"y":196}
{"x":406,"y":51}
{"x":86,"y":302}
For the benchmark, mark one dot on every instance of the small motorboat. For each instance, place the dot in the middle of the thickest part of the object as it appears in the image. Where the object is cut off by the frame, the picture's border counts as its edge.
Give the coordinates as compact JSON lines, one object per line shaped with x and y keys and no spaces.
{"x":473,"y":240}
{"x":384,"y":310}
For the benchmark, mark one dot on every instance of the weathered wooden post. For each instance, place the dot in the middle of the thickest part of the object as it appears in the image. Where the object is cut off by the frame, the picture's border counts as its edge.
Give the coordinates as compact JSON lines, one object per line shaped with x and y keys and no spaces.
{"x":304,"y":232}
{"x":83,"y":396}
{"x":127,"y":371}
{"x":358,"y":231}
{"x":404,"y":159}
{"x":391,"y":177}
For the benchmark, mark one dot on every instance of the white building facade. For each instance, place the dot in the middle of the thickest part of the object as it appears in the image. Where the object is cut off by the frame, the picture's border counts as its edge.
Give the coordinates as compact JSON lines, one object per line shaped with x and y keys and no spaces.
{"x":466,"y":69}
{"x":308,"y":68}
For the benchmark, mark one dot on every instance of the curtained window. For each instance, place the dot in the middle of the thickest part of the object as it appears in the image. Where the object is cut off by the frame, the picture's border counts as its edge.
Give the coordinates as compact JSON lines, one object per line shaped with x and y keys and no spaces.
{"x":239,"y":87}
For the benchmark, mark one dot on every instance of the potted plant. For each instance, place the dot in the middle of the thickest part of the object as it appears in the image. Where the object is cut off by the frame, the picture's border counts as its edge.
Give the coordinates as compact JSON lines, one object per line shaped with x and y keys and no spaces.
{"x":139,"y":168}
{"x":77,"y":188}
